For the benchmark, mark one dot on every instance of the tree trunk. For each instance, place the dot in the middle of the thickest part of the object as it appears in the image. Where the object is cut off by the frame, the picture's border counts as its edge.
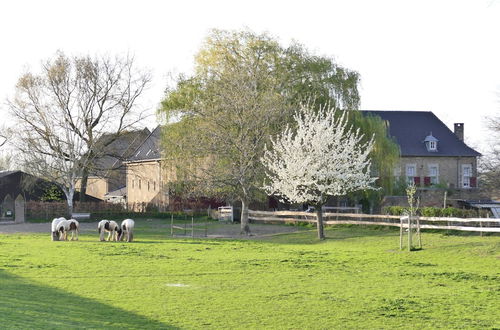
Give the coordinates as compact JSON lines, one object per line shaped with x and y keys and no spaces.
{"x":319,"y":217}
{"x":245,"y":227}
{"x":69,"y":197}
{"x":83,"y":185}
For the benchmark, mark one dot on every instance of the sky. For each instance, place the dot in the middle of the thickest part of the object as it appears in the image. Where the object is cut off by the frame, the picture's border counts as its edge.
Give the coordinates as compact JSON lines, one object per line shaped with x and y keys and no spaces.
{"x":426,"y":55}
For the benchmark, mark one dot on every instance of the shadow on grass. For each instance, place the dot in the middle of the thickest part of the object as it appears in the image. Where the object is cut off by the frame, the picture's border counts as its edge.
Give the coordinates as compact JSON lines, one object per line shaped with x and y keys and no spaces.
{"x":26,"y":305}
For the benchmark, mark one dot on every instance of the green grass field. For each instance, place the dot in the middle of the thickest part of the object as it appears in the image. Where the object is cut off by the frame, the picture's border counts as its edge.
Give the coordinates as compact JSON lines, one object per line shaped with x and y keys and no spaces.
{"x":357,"y":278}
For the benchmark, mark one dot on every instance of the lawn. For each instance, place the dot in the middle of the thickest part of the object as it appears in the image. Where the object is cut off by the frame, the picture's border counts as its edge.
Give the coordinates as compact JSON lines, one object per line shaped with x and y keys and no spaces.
{"x":357,"y":278}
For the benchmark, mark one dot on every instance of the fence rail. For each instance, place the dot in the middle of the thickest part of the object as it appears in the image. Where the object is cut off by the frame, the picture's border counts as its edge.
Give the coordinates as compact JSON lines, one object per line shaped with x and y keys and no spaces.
{"x":469,"y":224}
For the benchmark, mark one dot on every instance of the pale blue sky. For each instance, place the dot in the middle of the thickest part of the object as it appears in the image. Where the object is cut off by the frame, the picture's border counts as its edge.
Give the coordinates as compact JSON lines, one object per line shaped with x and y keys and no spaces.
{"x":429,"y":55}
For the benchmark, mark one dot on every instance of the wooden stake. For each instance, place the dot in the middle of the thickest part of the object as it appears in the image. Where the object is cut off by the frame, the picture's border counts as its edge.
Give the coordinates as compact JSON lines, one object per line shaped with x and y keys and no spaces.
{"x":401,"y":233}
{"x":172,"y":225}
{"x":409,"y":233}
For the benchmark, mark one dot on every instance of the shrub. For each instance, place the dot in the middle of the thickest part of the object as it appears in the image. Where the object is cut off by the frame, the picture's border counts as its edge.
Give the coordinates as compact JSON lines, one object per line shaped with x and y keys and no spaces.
{"x":395,"y":210}
{"x":438,"y":212}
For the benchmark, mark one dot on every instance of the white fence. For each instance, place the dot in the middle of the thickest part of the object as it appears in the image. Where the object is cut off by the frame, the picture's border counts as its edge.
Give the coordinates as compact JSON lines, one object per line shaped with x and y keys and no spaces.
{"x":468,"y":224}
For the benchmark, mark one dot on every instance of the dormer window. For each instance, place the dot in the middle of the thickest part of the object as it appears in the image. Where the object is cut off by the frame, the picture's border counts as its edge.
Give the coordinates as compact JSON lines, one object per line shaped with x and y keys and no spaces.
{"x":431,"y":143}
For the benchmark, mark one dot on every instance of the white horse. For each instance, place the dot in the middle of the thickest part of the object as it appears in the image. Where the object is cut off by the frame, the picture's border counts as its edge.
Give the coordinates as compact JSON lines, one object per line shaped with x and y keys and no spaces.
{"x":127,"y":228}
{"x":109,"y":226}
{"x":55,"y":222}
{"x":62,"y":229}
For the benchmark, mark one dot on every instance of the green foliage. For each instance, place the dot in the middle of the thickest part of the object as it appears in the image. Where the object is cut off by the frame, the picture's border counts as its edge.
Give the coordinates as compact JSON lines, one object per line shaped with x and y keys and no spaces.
{"x":438,"y":212}
{"x":384,"y":156}
{"x":395,"y":210}
{"x":356,"y":279}
{"x":52,"y":193}
{"x":430,"y":211}
{"x":243,"y":91}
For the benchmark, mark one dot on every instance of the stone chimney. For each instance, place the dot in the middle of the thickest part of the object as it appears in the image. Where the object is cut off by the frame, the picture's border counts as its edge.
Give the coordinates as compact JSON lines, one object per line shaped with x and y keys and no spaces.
{"x":459,"y":131}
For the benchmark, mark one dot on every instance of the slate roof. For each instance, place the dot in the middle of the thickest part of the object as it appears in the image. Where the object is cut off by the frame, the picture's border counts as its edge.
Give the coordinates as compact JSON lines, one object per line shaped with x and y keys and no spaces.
{"x":150,"y":148}
{"x":120,"y":149}
{"x":410,"y":128}
{"x":6,"y":173}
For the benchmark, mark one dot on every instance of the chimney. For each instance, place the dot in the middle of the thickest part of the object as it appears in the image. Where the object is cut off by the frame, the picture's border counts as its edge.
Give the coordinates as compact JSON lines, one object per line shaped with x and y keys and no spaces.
{"x":459,"y":131}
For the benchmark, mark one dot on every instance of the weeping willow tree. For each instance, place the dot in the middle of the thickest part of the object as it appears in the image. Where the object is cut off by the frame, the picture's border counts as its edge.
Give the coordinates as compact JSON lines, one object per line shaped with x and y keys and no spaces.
{"x":384,"y":157}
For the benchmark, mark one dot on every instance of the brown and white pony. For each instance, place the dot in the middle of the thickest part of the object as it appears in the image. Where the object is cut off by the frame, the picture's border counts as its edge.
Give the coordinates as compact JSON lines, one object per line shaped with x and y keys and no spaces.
{"x":127,"y":229}
{"x":109,"y":226}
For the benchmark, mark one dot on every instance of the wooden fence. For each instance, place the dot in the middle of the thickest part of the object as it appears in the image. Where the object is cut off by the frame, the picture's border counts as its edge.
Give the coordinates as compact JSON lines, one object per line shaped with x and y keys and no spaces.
{"x":468,"y":224}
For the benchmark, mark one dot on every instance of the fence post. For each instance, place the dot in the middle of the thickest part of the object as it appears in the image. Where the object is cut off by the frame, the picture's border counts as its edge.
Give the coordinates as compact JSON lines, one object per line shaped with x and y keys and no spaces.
{"x":192,"y":227}
{"x":401,"y":233}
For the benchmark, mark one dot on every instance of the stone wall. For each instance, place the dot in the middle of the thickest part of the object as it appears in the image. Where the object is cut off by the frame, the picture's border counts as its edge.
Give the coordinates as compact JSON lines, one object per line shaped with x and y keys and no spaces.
{"x":435,"y":197}
{"x":96,"y":187}
{"x":145,"y":183}
{"x":449,"y":168}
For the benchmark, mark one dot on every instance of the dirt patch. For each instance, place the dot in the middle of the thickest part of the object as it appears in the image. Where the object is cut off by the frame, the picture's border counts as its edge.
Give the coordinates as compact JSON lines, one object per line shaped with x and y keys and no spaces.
{"x":257,"y":231}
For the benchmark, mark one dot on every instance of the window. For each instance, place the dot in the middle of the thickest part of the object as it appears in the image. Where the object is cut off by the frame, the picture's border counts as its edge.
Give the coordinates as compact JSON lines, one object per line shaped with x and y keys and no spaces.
{"x":411,"y":172}
{"x":431,"y":143}
{"x":139,"y":184}
{"x":466,"y":175}
{"x":154,"y":185}
{"x":434,"y":173}
{"x":148,"y":185}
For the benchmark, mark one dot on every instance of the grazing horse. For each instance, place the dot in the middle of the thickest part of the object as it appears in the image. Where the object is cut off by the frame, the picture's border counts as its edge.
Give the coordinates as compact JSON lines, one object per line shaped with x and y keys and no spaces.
{"x":109,"y":226}
{"x":62,"y":229}
{"x":74,"y":228}
{"x":55,"y":233}
{"x":127,"y":228}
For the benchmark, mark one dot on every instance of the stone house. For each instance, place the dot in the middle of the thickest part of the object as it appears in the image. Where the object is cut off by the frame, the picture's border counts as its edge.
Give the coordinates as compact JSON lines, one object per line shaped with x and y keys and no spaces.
{"x":431,"y":154}
{"x":107,"y":178}
{"x":145,"y":177}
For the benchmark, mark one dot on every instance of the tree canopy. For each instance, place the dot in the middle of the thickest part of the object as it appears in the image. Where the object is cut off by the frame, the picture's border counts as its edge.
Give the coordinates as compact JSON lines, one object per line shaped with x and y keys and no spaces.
{"x":63,"y":111}
{"x":244,"y":89}
{"x":322,"y":156}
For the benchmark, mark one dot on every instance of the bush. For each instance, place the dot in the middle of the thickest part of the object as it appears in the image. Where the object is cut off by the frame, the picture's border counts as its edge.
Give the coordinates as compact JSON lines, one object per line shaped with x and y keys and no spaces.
{"x":439,"y":212}
{"x":430,"y":212}
{"x":395,"y":210}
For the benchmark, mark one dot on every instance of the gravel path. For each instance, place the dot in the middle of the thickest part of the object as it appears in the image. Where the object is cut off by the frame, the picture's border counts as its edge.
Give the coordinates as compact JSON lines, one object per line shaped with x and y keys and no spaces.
{"x":11,"y":228}
{"x":215,"y":230}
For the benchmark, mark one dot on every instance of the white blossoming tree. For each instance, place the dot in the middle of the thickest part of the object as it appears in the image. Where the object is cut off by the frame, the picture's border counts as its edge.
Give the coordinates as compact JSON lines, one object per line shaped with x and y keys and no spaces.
{"x":319,"y":156}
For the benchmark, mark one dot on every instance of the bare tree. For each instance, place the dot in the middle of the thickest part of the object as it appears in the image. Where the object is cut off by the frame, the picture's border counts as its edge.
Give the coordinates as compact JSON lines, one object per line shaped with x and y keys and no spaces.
{"x":490,"y":162}
{"x":4,"y":136}
{"x":63,"y":112}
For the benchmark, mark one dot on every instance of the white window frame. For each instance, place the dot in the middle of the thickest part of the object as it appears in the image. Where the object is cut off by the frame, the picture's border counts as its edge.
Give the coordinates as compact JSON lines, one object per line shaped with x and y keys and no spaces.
{"x":466,"y":169}
{"x":436,"y":176}
{"x":408,"y":174}
{"x":432,"y":145}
